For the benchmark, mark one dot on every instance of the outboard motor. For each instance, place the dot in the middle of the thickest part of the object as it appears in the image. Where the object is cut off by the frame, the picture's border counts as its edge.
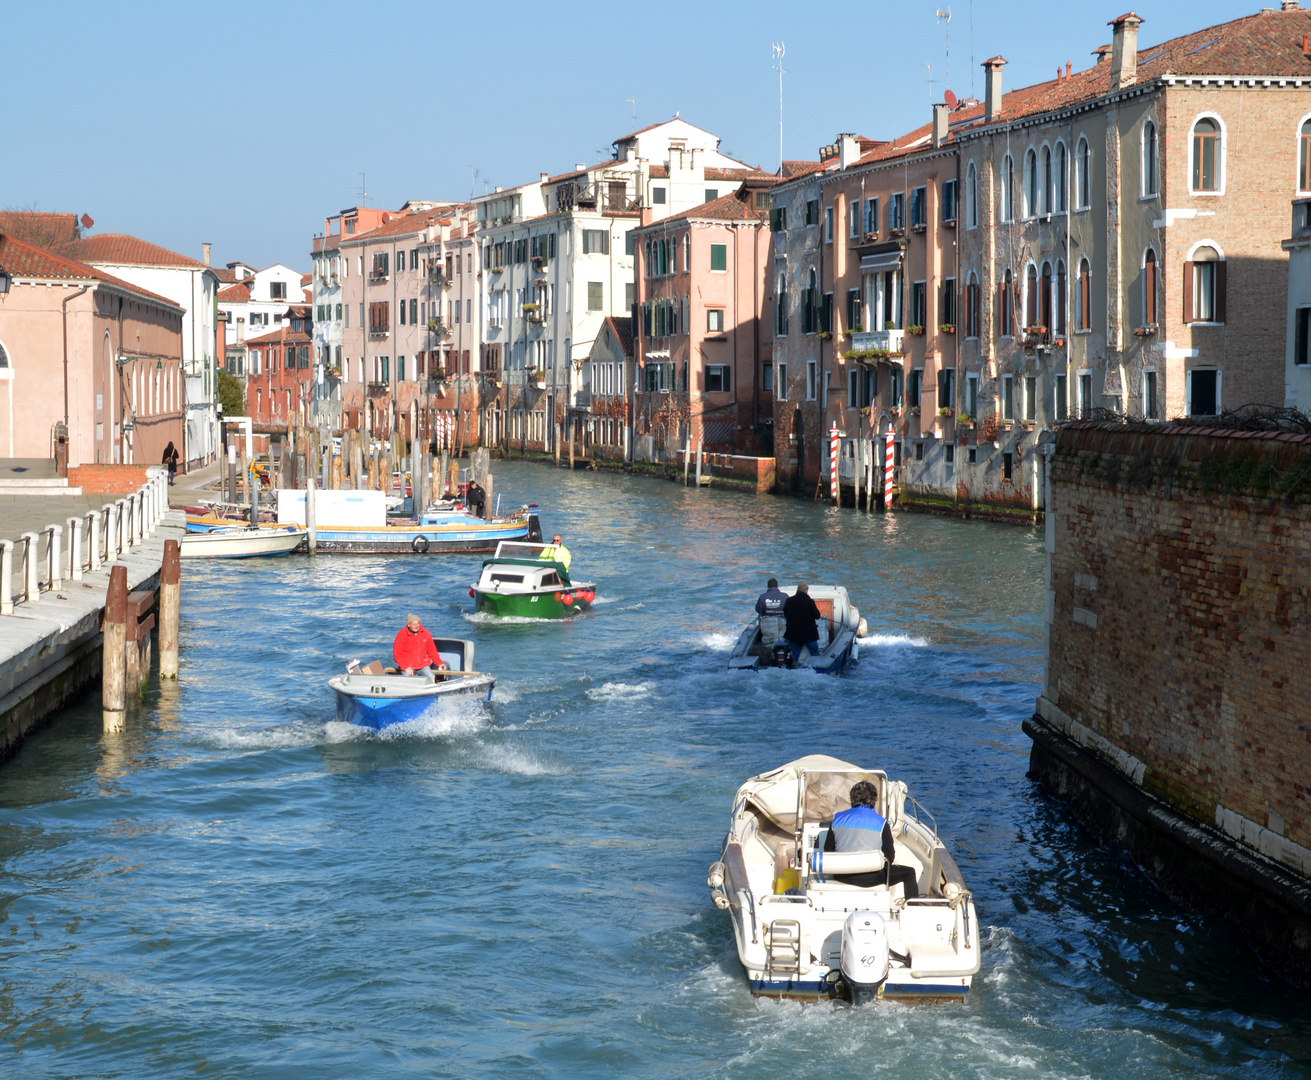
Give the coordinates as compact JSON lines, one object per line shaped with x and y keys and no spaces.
{"x":534,"y":528}
{"x":782,"y":654}
{"x":864,"y":957}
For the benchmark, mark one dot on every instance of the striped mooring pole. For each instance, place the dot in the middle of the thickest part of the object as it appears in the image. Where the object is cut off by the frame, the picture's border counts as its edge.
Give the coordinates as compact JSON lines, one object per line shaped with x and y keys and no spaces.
{"x":834,"y":490}
{"x":887,"y":471}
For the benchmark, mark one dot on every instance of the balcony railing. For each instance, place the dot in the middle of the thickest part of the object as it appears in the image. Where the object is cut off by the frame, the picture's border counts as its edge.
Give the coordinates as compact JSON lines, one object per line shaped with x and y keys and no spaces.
{"x":438,"y":328}
{"x":888,"y":341}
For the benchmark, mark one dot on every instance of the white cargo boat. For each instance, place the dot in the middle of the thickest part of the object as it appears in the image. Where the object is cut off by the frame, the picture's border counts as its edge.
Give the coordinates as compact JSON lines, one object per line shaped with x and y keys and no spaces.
{"x":803,"y":933}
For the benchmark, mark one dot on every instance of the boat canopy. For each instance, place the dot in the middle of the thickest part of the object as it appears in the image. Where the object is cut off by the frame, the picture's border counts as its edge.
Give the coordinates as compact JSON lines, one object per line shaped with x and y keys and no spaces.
{"x":517,"y":549}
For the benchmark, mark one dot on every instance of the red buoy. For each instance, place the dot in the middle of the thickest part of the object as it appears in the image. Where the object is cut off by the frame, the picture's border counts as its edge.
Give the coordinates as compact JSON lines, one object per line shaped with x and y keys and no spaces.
{"x":471,"y":593}
{"x":566,"y":598}
{"x":589,"y":596}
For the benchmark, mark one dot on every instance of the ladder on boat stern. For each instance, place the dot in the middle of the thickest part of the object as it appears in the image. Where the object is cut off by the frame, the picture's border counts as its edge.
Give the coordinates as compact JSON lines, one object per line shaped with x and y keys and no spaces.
{"x":783,"y":947}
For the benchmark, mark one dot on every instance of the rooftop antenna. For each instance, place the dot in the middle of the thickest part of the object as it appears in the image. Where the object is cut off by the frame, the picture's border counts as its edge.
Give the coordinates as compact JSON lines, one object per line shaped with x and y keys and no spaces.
{"x":944,"y":17}
{"x":473,"y":181}
{"x":778,"y":66}
{"x":364,"y":191}
{"x":930,"y":68}
{"x":633,"y":103}
{"x":971,"y":48}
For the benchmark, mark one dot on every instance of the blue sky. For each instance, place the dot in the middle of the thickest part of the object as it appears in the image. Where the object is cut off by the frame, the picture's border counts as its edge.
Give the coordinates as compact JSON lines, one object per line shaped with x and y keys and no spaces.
{"x":246,"y":125}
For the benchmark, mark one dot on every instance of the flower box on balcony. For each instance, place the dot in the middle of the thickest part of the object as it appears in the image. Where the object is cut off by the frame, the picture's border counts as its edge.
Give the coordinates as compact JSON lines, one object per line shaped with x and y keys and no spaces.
{"x":1146,"y":331}
{"x":964,"y":419}
{"x":946,"y":410}
{"x":918,"y":228}
{"x":498,"y":269}
{"x":947,"y":328}
{"x":824,"y":335}
{"x":529,"y":307}
{"x":918,"y":331}
{"x":537,"y":319}
{"x":896,"y":233}
{"x":914,"y":410}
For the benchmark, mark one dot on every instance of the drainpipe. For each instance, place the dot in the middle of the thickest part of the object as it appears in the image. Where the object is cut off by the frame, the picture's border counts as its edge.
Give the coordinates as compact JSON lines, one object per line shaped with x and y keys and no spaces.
{"x":75,"y":295}
{"x":755,"y":331}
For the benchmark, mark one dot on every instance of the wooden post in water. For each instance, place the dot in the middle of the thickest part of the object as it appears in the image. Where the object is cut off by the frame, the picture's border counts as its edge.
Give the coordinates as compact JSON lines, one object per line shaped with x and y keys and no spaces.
{"x":559,"y":430}
{"x":489,"y":508}
{"x":311,"y":522}
{"x":357,"y":461}
{"x":113,"y":669}
{"x":453,"y":477}
{"x":243,"y":476}
{"x":699,"y":445}
{"x":687,"y":453}
{"x":572,"y":433}
{"x":443,"y":473}
{"x":434,"y":478}
{"x":170,"y":589}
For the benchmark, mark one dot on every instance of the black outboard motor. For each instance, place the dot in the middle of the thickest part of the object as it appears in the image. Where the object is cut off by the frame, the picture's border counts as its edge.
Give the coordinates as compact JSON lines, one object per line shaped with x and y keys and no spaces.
{"x":534,"y":528}
{"x":782,"y":654}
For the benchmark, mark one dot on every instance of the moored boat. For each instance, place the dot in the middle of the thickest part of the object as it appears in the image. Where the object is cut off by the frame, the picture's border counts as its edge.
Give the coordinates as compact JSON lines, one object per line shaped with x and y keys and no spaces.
{"x":518,"y":582}
{"x":238,"y":542}
{"x":804,"y":929}
{"x":376,"y":697}
{"x":761,"y":644}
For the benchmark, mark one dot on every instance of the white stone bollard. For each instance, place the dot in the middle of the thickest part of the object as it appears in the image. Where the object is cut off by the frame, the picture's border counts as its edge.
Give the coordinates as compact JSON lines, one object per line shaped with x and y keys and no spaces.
{"x":112,"y":510}
{"x":31,"y":587}
{"x":6,"y":577}
{"x":55,"y":557}
{"x":75,"y":549}
{"x":93,"y":539}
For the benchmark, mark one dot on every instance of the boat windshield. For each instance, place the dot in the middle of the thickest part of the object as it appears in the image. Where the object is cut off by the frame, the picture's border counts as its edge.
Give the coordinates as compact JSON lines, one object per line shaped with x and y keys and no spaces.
{"x":510,"y":549}
{"x":823,"y":794}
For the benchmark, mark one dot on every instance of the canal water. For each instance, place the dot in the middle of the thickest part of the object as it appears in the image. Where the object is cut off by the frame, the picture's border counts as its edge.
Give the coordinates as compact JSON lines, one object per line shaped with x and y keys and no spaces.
{"x":241,"y":886}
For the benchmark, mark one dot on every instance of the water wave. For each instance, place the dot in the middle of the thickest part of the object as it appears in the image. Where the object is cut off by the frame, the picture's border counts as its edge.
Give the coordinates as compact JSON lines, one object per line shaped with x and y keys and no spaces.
{"x":513,"y":760}
{"x":893,"y":640}
{"x":718,"y":642}
{"x":621,"y":691}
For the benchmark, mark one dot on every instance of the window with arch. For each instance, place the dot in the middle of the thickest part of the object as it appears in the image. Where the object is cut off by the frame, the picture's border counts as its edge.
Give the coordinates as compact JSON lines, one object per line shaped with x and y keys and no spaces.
{"x":1047,"y":177}
{"x":1085,"y":295}
{"x":1005,"y":305}
{"x":971,"y":196}
{"x":1083,"y":176}
{"x":1031,"y":296}
{"x":1060,"y":301}
{"x":972,"y":305}
{"x":1149,"y":158}
{"x":1204,"y":286}
{"x":1149,"y":288}
{"x":781,"y":306}
{"x":1207,"y":158}
{"x":1031,"y":183}
{"x":1304,"y":156}
{"x":1006,"y":184}
{"x":6,"y":369}
{"x":687,"y":252}
{"x":1060,"y":198}
{"x":1045,"y":297}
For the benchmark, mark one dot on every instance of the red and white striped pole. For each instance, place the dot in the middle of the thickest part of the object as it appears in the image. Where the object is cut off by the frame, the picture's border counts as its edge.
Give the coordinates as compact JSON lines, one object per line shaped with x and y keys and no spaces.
{"x":887,"y":471}
{"x":834,"y":486}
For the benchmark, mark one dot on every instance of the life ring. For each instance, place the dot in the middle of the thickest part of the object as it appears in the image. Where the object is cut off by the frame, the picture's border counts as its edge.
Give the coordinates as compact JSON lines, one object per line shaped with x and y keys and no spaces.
{"x":420,"y":545}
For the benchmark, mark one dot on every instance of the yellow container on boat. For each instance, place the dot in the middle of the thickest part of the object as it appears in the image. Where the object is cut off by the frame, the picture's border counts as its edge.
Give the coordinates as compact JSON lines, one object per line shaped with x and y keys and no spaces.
{"x":786,"y":879}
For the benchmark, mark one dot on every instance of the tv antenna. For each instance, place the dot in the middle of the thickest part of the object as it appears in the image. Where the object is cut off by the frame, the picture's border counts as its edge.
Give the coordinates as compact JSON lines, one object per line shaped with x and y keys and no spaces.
{"x":944,"y":17}
{"x":930,"y":70}
{"x":364,"y":191}
{"x":633,"y":103}
{"x":473,"y":181}
{"x":778,"y":66}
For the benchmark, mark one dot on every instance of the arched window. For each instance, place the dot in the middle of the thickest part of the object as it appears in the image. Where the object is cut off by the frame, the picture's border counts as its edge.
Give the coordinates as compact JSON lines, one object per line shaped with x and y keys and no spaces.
{"x":687,"y":252}
{"x":972,"y":305}
{"x":1005,"y":305}
{"x":1204,"y":286}
{"x":1031,"y":183}
{"x":1031,"y":296}
{"x":1085,"y":295}
{"x":1047,"y":180}
{"x":1083,"y":176}
{"x":1045,"y":298}
{"x":1060,"y":298}
{"x":971,"y":196}
{"x":781,"y":306}
{"x":1149,"y":158}
{"x":6,"y":369}
{"x":1304,"y":157}
{"x":1006,"y":183}
{"x":646,"y":257}
{"x":1207,"y":159}
{"x":1062,"y":178}
{"x":1149,"y":288}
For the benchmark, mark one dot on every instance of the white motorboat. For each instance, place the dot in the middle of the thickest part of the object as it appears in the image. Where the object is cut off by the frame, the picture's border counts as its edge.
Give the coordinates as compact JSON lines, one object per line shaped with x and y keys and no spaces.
{"x":761,"y":645}
{"x":801,"y":931}
{"x":242,"y":543}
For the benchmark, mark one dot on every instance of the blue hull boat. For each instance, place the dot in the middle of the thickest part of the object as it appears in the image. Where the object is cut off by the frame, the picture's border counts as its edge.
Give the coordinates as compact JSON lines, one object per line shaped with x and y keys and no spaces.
{"x":377,"y":698}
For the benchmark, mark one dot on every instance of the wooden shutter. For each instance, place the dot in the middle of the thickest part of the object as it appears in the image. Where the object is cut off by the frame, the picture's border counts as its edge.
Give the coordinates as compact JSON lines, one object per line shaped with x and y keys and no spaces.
{"x":1085,"y":299}
{"x":1220,"y":277}
{"x":1188,"y":292}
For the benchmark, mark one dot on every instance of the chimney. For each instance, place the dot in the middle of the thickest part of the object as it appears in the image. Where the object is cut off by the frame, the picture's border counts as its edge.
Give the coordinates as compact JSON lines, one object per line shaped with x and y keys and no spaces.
{"x":1290,"y":5}
{"x":1067,"y":69}
{"x":630,"y":154}
{"x":545,"y":177}
{"x":579,"y":166}
{"x":848,"y":150}
{"x":204,"y":257}
{"x":1102,"y":52}
{"x":940,"y":124}
{"x":1124,"y":51}
{"x":992,"y":92}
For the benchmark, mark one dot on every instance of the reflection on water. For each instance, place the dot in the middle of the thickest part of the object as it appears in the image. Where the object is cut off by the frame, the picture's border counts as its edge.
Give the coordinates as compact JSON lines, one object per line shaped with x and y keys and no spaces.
{"x":240,"y":885}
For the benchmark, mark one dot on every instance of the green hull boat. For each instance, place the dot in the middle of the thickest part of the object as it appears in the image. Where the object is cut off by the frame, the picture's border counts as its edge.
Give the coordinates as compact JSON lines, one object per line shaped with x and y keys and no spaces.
{"x":516,"y":584}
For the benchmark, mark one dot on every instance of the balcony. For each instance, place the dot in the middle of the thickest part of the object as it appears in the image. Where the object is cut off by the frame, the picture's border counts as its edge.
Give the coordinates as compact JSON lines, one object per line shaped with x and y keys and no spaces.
{"x":439,"y":329}
{"x":437,"y":276}
{"x":377,"y":276}
{"x":887,"y":342}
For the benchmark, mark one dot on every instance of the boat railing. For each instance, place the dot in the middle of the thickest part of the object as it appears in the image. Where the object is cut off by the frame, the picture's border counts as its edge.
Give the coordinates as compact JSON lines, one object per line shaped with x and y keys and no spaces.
{"x":915,"y":810}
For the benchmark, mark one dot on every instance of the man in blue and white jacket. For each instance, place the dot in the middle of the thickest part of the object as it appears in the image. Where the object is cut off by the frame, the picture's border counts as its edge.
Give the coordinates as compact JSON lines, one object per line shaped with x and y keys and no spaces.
{"x":863,"y":828}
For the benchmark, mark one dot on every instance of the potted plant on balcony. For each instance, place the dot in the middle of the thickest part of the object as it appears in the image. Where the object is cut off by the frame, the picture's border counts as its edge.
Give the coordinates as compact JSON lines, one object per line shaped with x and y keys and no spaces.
{"x":1034,"y":334}
{"x":945,"y":410}
{"x":914,"y":410}
{"x":824,"y":335}
{"x":1147,"y":330}
{"x":538,"y":378}
{"x":918,"y":331}
{"x":529,"y":307}
{"x":947,"y":328}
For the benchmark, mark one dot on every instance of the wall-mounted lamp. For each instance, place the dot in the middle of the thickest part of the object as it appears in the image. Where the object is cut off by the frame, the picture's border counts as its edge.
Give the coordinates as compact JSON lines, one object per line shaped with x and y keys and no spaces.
{"x":159,"y":365}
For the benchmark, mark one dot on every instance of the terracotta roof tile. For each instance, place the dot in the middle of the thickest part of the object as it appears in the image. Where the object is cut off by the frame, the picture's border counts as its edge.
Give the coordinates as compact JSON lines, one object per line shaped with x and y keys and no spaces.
{"x":130,"y":251}
{"x":27,"y":261}
{"x":280,"y":337}
{"x":622,"y":328}
{"x":237,"y":294}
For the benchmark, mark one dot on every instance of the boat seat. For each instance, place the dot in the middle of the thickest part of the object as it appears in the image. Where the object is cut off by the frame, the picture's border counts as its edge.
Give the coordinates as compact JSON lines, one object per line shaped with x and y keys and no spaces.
{"x":771,"y":629}
{"x":846,"y":862}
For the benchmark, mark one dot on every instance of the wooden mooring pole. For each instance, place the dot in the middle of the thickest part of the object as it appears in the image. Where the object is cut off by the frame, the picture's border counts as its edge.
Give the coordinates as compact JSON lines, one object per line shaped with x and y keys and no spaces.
{"x":311,"y":521}
{"x":113,"y":671}
{"x":170,"y":588}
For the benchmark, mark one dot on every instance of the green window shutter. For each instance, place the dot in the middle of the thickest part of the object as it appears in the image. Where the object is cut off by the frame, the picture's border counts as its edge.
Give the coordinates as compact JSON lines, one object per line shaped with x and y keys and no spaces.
{"x":718,"y":256}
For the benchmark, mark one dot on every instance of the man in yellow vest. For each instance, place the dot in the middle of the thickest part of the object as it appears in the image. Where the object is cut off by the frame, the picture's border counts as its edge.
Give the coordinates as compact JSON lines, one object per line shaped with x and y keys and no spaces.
{"x":556,"y":551}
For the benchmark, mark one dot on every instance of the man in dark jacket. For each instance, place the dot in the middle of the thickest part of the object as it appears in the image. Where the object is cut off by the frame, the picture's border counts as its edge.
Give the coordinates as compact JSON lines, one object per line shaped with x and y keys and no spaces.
{"x":801,"y":614}
{"x":770,"y":609}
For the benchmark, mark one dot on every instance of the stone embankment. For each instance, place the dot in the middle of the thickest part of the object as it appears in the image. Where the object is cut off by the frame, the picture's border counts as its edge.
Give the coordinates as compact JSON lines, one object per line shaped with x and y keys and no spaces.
{"x":1173,"y":715}
{"x":53,"y":580}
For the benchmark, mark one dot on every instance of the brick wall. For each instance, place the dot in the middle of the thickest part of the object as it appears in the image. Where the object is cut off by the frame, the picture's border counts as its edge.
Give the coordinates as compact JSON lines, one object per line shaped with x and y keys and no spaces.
{"x":1179,"y":643}
{"x":107,"y":479}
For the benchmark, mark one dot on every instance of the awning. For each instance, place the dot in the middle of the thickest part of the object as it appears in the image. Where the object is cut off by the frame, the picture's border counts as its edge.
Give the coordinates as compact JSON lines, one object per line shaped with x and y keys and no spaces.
{"x":658,"y":354}
{"x":884,"y":260}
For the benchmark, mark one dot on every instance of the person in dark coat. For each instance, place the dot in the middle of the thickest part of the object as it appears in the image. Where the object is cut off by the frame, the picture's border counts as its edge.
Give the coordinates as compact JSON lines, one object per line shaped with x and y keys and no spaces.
{"x":171,"y":460}
{"x":770,"y":609}
{"x":863,"y":828}
{"x":475,"y":496}
{"x":801,"y":616}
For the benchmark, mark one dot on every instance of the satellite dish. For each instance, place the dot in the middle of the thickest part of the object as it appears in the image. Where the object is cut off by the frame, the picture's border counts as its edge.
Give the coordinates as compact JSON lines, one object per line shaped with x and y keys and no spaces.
{"x":950,"y":99}
{"x":86,"y":221}
{"x":386,"y":218}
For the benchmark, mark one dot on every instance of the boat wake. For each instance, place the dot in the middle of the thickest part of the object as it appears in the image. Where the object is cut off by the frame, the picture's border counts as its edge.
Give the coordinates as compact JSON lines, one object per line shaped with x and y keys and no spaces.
{"x":893,"y":640}
{"x":486,"y":618}
{"x":621,"y":691}
{"x":718,"y":642}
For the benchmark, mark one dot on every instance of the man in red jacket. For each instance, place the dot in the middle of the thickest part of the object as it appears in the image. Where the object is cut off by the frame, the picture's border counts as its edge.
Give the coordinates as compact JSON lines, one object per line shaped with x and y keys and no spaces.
{"x":414,"y":651}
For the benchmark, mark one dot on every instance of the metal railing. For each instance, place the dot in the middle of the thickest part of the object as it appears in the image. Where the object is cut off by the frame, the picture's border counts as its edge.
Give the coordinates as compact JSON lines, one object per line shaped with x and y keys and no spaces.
{"x":99,"y":537}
